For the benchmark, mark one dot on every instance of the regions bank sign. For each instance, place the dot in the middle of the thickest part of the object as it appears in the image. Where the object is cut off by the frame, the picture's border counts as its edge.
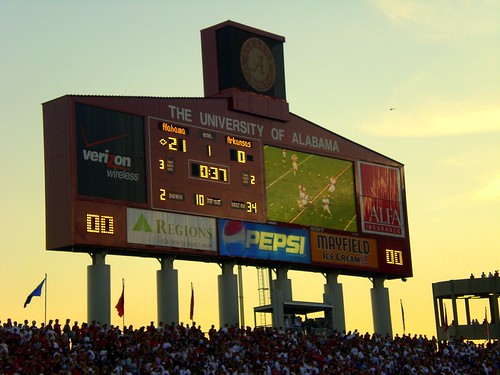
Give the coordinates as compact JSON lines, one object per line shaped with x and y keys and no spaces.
{"x":167,"y":229}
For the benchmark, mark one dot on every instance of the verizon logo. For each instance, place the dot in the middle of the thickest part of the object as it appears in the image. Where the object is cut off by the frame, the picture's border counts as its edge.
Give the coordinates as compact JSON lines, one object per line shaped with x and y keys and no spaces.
{"x":107,"y":158}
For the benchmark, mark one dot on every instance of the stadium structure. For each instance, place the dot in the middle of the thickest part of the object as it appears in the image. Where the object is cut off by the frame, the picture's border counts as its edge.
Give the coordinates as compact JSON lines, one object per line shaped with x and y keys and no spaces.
{"x":463,"y":295}
{"x":233,"y":178}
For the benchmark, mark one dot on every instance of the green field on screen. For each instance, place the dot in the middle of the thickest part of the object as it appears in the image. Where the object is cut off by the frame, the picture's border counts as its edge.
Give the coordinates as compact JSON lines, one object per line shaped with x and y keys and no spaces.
{"x":317,"y":205}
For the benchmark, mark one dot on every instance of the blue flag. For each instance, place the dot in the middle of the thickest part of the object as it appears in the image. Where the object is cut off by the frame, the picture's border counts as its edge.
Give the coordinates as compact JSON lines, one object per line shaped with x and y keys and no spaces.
{"x":36,"y":293}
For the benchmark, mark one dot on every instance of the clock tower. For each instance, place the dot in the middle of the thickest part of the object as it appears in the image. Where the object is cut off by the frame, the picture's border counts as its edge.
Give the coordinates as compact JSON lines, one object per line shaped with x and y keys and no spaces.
{"x":247,"y":65}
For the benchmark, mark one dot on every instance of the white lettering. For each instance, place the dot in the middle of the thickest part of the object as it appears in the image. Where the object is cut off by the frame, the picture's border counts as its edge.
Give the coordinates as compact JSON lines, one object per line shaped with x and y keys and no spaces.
{"x":180,"y":113}
{"x":387,"y":216}
{"x":111,"y":160}
{"x":231,"y":124}
{"x":315,"y":142}
{"x":277,"y":134}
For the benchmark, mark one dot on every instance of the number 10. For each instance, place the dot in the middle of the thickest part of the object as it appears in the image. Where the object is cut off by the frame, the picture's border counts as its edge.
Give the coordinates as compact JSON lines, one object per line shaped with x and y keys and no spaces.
{"x":199,"y":199}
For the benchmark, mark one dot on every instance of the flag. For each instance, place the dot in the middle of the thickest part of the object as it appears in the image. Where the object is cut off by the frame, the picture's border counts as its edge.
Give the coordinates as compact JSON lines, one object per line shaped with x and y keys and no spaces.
{"x":191,"y":306}
{"x":403,"y":315}
{"x":445,"y":320}
{"x":120,"y":306}
{"x":36,"y":293}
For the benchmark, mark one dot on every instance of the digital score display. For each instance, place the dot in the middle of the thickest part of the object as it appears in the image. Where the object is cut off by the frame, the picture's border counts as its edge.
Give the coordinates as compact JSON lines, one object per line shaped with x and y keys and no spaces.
{"x":394,"y":257}
{"x":103,"y":224}
{"x":204,"y":172}
{"x":209,"y":172}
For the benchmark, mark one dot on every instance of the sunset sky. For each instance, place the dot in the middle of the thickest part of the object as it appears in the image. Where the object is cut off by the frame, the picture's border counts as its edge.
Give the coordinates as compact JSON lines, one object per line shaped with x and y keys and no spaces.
{"x":417,"y":81}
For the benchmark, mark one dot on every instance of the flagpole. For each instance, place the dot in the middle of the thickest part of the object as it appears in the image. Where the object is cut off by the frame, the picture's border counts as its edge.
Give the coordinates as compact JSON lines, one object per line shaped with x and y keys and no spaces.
{"x":403,"y":316}
{"x":191,"y":304}
{"x":120,"y":306}
{"x":45,"y":317}
{"x":123,"y":293}
{"x":486,"y":322}
{"x":446,"y":327}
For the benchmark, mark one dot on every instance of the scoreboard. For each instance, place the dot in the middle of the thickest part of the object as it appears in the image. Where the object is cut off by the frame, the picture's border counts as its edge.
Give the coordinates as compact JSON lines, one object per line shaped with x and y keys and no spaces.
{"x":195,"y":179}
{"x":205,"y":172}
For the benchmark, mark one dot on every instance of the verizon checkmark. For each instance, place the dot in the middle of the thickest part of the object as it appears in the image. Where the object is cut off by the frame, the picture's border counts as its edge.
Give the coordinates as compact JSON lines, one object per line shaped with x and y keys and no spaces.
{"x":100,"y":141}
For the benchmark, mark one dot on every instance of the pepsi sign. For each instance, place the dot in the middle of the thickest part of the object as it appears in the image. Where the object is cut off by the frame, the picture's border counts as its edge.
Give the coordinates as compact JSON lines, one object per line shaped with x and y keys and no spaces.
{"x":260,"y":241}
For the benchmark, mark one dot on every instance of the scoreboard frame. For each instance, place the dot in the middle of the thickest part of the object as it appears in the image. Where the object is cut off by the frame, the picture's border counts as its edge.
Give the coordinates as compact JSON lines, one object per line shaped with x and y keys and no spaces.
{"x":79,"y":221}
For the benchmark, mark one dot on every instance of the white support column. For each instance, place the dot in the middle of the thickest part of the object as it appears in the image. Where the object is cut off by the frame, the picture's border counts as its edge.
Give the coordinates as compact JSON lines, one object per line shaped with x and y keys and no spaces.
{"x":99,"y":290}
{"x":167,"y":292}
{"x":228,"y":296}
{"x":381,"y":308}
{"x":334,"y":296}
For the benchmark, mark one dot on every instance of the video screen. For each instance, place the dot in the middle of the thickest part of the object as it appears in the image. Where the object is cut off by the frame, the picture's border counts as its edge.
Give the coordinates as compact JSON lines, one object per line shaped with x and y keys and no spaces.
{"x":310,"y":190}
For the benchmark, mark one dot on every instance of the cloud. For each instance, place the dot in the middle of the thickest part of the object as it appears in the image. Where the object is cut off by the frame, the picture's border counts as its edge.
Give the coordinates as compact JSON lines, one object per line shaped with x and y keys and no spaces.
{"x":490,"y":191}
{"x":487,"y":193}
{"x":442,"y":19}
{"x":404,"y":11}
{"x":436,"y":120}
{"x":475,"y":169}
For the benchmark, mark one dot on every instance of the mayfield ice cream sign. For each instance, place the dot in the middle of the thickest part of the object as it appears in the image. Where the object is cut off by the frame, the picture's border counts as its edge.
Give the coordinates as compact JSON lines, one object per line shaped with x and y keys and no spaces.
{"x":259,"y":241}
{"x":339,"y":250}
{"x":381,"y":200}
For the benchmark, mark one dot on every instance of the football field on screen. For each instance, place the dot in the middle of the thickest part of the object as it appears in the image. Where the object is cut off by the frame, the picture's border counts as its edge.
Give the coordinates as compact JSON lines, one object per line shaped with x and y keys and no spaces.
{"x":305,"y":196}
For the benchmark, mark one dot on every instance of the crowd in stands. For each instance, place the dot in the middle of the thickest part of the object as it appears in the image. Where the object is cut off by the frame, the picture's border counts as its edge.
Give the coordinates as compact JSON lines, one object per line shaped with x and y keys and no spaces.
{"x":187,"y":350}
{"x":483,"y":275}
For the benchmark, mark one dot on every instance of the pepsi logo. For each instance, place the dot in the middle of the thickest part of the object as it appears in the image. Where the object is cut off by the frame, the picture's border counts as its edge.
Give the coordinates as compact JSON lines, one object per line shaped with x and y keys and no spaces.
{"x":234,"y":232}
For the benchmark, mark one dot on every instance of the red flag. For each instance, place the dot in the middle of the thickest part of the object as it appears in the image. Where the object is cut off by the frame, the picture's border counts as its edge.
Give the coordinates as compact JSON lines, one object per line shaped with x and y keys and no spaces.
{"x":191,"y":306}
{"x":120,"y":306}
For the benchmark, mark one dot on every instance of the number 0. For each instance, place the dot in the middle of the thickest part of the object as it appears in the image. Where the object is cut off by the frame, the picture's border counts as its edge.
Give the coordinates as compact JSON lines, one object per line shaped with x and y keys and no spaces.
{"x":241,"y":156}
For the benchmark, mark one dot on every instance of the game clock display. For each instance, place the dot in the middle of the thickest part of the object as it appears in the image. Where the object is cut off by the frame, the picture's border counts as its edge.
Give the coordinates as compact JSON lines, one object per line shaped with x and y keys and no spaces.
{"x":204,"y":172}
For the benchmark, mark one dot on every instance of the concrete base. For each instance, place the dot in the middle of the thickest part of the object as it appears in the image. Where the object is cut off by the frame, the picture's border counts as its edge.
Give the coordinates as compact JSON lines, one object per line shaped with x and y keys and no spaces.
{"x":99,"y":290}
{"x":167,"y":292}
{"x":381,"y":308}
{"x":228,"y":296}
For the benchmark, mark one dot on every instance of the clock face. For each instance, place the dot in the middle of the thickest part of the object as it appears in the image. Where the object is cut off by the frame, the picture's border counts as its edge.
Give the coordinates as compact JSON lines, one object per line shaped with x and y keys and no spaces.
{"x":257,"y":64}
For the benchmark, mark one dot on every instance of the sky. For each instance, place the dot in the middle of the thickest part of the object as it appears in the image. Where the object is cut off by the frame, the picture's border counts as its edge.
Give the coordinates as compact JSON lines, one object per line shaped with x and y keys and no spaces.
{"x":418,"y":81}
